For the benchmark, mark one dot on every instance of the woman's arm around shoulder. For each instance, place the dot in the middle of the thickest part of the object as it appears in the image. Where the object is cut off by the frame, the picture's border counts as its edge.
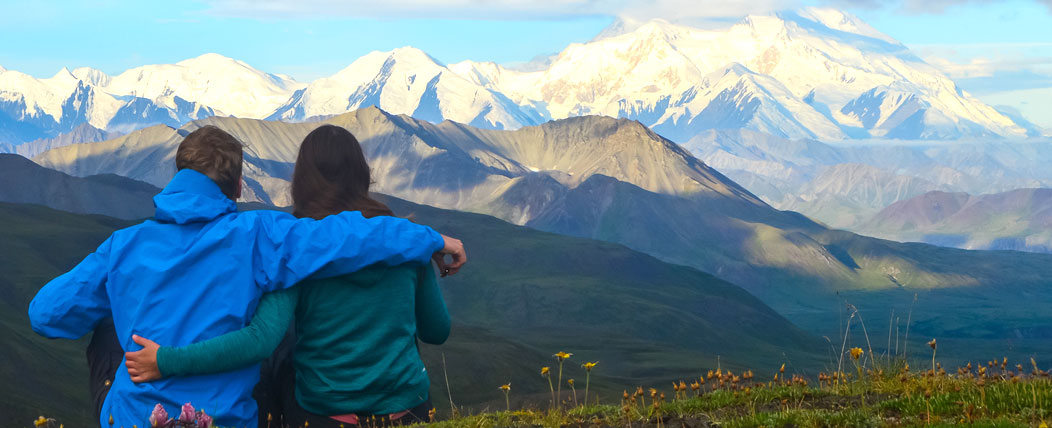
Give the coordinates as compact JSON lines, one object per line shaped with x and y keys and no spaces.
{"x":230,"y":351}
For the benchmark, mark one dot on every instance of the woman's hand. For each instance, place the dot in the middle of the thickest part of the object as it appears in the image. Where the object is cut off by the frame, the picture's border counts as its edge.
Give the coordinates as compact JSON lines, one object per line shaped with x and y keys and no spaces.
{"x":142,"y":364}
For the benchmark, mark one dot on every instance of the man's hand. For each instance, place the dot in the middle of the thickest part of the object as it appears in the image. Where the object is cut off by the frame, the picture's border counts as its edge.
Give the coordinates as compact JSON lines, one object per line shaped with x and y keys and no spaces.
{"x":454,"y":248}
{"x":142,"y":364}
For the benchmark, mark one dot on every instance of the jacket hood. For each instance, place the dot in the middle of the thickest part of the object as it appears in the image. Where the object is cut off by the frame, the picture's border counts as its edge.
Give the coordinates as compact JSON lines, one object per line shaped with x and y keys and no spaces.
{"x":191,"y":197}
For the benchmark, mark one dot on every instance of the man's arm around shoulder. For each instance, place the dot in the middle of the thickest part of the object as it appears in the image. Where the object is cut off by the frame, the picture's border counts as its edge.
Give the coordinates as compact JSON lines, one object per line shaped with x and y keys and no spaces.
{"x":289,"y":250}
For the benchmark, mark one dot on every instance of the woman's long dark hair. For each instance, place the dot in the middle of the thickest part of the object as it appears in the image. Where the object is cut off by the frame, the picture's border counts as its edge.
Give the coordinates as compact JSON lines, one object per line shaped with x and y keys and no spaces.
{"x":331,"y":176}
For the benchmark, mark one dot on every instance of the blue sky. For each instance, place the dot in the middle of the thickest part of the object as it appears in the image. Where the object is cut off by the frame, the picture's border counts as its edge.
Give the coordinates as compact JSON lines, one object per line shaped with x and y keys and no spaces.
{"x":996,"y":49}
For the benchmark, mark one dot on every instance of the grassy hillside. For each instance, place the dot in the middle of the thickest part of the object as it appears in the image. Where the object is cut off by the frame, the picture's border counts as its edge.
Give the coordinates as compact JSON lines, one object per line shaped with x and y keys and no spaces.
{"x":42,"y":376}
{"x":808,"y":273}
{"x":984,"y":394}
{"x":525,"y":295}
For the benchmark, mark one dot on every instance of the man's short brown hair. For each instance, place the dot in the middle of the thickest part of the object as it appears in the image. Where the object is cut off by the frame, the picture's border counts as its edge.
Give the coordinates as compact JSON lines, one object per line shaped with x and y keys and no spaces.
{"x":215,"y":153}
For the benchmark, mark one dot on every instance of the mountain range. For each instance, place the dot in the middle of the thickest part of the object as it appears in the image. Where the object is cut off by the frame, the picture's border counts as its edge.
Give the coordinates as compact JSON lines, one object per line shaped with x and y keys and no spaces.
{"x":615,"y":180}
{"x":844,"y":185}
{"x":812,"y":73}
{"x":1016,"y":220}
{"x":28,"y":183}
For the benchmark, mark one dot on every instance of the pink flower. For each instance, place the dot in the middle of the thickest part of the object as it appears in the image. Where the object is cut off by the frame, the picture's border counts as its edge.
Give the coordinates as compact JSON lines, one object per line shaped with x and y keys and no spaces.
{"x":203,"y":420}
{"x":159,"y":417}
{"x":188,"y":414}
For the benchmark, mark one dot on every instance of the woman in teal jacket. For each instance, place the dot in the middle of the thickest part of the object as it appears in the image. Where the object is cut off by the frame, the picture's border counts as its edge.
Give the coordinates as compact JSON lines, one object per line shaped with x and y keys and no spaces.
{"x":355,"y":351}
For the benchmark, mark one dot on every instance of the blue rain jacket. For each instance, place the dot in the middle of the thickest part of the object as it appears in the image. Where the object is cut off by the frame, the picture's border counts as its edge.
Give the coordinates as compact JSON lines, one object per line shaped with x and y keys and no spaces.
{"x":196,"y":271}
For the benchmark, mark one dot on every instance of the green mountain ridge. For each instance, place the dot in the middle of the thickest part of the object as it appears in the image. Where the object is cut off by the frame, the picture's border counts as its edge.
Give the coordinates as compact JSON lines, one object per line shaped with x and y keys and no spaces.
{"x":525,"y":295}
{"x":108,"y":194}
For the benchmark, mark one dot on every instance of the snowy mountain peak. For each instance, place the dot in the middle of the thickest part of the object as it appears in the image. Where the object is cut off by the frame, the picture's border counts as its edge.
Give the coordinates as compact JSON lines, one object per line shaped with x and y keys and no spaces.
{"x":209,"y":58}
{"x":407,"y":81}
{"x":63,"y":73}
{"x":413,"y":56}
{"x":92,"y":76}
{"x":63,"y":81}
{"x":839,"y":20}
{"x":216,"y":63}
{"x":229,"y":86}
{"x":620,"y":25}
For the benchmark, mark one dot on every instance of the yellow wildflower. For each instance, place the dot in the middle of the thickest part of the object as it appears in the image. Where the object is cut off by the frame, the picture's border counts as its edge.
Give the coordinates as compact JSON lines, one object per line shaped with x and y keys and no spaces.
{"x":562,"y":355}
{"x":588,"y":366}
{"x":506,"y":387}
{"x":41,"y":421}
{"x":544,"y":371}
{"x":570,"y":381}
{"x":856,"y":353}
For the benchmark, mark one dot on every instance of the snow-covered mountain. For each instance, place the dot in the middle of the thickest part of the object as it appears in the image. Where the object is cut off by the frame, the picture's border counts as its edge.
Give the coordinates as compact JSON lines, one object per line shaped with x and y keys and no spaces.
{"x":228,"y":86}
{"x":407,"y":81}
{"x":32,"y":109}
{"x":813,"y":73}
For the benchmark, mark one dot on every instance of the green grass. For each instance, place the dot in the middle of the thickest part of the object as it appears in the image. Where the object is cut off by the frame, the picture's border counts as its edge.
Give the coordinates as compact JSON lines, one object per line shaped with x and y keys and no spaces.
{"x":880,"y":398}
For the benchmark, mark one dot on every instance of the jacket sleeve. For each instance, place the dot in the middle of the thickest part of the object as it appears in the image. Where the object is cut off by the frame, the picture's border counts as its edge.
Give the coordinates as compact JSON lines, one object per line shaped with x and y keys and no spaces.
{"x":432,"y":317}
{"x":72,"y":304}
{"x":237,"y":349}
{"x":290,"y":250}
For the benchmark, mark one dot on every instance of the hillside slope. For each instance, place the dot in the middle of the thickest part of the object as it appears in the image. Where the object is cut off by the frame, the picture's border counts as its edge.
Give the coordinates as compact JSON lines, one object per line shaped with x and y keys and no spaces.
{"x":525,"y":295}
{"x":112,"y":195}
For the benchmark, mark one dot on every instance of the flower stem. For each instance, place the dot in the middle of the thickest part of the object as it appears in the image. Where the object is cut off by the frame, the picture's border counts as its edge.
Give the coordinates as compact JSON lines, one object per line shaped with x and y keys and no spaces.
{"x":552,"y":389}
{"x":559,"y":394}
{"x":587,"y":375}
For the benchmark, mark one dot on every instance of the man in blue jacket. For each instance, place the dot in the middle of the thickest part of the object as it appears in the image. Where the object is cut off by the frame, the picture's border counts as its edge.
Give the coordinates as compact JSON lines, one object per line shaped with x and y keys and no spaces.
{"x":198,"y":269}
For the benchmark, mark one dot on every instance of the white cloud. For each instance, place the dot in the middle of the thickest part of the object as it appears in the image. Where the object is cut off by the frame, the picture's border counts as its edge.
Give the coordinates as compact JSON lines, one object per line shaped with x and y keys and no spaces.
{"x":989,"y":66}
{"x":918,"y":6}
{"x":494,"y":9}
{"x":1018,"y":75}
